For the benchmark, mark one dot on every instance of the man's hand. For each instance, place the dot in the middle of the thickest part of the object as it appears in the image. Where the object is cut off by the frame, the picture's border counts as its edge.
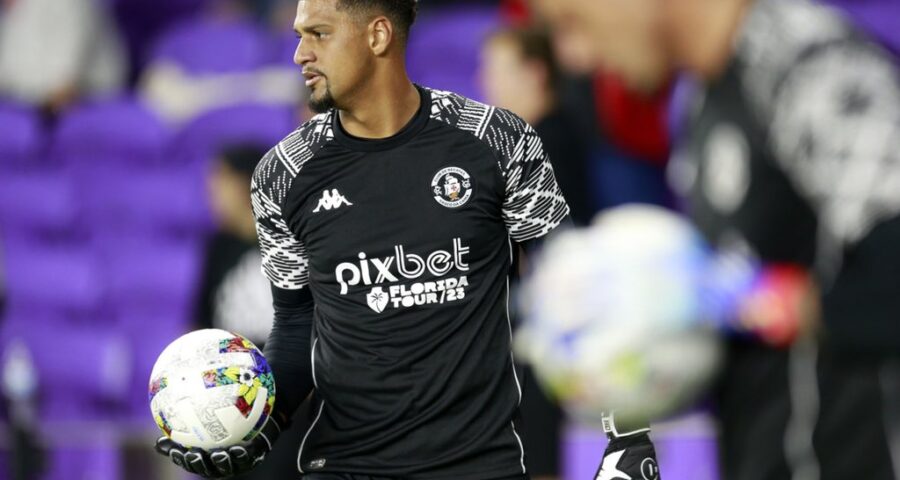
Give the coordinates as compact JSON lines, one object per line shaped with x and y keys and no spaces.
{"x":629,"y":455}
{"x":629,"y":458}
{"x":222,"y":463}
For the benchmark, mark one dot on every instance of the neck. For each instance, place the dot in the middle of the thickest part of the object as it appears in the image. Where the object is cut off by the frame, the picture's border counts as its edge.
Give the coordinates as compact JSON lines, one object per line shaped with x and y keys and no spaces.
{"x":383,"y":107}
{"x":706,"y":46}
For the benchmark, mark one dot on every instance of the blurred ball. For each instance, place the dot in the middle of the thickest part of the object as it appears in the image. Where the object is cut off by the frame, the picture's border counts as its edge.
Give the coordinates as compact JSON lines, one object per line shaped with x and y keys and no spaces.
{"x":614,"y":316}
{"x":211,"y":389}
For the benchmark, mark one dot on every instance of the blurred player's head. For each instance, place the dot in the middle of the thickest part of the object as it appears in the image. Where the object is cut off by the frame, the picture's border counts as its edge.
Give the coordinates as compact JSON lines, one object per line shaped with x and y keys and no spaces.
{"x":519,"y":72}
{"x":343,"y":43}
{"x":229,"y":188}
{"x":644,"y":40}
{"x":622,"y":36}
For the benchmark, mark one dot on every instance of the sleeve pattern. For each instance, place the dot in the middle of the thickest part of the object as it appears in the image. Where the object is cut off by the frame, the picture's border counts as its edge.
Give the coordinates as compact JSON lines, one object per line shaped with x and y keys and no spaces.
{"x":284,"y":258}
{"x":534,"y":204}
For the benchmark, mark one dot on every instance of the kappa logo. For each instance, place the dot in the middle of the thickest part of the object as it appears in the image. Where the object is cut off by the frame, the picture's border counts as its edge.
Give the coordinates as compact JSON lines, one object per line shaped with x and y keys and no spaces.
{"x":332,"y":201}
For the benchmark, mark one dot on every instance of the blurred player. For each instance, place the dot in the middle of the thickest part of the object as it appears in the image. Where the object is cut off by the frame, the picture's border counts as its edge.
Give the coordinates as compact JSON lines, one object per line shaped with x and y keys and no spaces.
{"x":386,"y":226}
{"x":792,"y":156}
{"x":519,"y":72}
{"x":232,"y":295}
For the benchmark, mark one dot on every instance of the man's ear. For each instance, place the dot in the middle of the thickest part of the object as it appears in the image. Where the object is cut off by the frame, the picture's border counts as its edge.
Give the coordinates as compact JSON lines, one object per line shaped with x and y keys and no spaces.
{"x":381,"y":35}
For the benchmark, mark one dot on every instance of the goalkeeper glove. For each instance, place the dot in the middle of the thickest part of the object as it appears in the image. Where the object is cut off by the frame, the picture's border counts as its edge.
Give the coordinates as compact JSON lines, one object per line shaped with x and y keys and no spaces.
{"x":629,"y":455}
{"x":226,"y":462}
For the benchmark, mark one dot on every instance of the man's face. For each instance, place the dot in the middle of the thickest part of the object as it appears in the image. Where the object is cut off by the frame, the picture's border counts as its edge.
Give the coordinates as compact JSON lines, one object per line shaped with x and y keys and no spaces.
{"x":333,"y":51}
{"x":622,"y":36}
{"x":506,"y":77}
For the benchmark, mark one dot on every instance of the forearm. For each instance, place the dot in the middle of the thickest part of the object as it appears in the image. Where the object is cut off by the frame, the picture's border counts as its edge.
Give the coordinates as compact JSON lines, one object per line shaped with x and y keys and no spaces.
{"x":288,"y":350}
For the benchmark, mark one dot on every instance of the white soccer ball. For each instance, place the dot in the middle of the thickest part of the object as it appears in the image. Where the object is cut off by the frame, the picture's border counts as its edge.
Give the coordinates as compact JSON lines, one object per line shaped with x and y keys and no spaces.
{"x":614,"y":316}
{"x":211,"y":389}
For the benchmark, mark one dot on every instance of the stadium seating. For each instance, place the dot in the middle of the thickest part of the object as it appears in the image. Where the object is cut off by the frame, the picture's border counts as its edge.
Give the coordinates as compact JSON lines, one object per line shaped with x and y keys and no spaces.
{"x":21,"y":136}
{"x":445,"y":44}
{"x":210,"y":46}
{"x":248,"y":123}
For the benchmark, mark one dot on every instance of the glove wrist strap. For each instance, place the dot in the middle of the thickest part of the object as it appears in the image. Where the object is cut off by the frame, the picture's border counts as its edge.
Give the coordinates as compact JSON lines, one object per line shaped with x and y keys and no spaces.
{"x":614,"y":431}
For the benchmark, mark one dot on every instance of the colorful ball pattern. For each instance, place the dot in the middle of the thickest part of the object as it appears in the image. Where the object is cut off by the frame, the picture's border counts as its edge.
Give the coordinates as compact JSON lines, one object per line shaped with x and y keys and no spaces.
{"x":211,"y":389}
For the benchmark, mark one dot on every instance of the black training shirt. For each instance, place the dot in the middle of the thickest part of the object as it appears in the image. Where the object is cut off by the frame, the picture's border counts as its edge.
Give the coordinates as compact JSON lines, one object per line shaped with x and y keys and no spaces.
{"x":405,"y":244}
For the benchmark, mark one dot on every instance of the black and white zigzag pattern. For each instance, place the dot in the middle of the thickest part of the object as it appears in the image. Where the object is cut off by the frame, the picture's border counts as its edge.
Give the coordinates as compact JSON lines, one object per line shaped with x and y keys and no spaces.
{"x":284,"y":259}
{"x":534,"y":203}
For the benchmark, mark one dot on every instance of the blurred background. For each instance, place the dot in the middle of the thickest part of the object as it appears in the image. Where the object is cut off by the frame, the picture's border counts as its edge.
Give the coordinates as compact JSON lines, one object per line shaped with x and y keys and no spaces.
{"x":128,"y":133}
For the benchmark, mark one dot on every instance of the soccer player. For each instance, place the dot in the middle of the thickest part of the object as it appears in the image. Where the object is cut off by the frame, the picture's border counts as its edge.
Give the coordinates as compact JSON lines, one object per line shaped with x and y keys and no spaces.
{"x":792,"y":155}
{"x":387,"y":226}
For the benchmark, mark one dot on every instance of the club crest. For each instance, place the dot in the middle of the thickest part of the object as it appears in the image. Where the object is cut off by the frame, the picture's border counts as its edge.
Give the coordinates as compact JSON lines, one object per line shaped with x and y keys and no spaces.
{"x":452,"y":187}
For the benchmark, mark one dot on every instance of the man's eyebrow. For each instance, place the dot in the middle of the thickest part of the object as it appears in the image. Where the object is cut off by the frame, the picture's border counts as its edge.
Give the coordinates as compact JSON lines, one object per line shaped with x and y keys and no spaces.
{"x":310,"y":28}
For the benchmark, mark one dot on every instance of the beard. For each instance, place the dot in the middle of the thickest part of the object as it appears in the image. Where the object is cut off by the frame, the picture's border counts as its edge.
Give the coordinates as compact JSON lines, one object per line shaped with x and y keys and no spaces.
{"x":324,"y":103}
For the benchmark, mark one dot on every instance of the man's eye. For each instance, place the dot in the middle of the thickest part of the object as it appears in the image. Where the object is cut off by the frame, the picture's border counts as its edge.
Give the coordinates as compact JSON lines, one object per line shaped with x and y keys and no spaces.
{"x":319,"y":34}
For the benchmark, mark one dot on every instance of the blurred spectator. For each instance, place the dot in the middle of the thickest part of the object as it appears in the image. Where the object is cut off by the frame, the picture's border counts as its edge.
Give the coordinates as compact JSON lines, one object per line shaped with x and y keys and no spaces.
{"x":233,"y":295}
{"x":54,"y":52}
{"x":519,"y":72}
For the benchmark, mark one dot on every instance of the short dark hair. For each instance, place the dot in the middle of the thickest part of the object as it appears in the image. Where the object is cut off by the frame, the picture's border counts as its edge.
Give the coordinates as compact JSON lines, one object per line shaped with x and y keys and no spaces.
{"x":242,"y":158}
{"x":402,"y":13}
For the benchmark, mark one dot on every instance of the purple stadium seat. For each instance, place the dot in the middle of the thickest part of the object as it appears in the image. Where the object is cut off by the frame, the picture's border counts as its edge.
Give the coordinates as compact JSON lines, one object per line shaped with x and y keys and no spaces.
{"x":264,"y":125}
{"x":457,"y":34}
{"x":21,"y":137}
{"x":37,"y":202}
{"x":78,"y":366}
{"x":114,"y":152}
{"x":150,"y":276}
{"x":209,"y":46}
{"x":50,"y":278}
{"x":285,"y":48}
{"x":107,"y":133}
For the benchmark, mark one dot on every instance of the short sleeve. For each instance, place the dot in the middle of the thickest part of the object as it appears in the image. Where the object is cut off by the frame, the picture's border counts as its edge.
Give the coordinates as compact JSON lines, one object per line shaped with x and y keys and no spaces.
{"x":534,"y":204}
{"x":284,"y":258}
{"x":836,"y":129}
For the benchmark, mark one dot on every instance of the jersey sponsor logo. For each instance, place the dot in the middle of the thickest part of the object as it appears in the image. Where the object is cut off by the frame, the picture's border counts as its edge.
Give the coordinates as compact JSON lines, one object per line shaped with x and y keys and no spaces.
{"x":376,"y":271}
{"x":332,"y":201}
{"x":317,"y":464}
{"x":386,"y":276}
{"x":377,"y":299}
{"x":452,"y":187}
{"x":438,"y":292}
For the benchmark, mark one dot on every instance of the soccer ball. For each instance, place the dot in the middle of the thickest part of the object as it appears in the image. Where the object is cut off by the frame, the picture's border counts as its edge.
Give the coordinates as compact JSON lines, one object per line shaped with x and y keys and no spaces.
{"x":211,"y":389}
{"x":614,"y":317}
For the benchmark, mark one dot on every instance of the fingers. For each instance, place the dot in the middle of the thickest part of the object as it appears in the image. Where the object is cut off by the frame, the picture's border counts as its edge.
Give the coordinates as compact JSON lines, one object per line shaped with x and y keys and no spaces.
{"x":223,"y":463}
{"x":197,"y":462}
{"x":169,"y":448}
{"x":242,"y":459}
{"x":164,"y":445}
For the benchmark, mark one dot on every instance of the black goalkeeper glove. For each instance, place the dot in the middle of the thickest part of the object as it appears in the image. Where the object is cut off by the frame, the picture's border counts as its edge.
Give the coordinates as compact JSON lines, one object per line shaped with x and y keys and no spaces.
{"x":629,"y":455}
{"x":226,"y":462}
